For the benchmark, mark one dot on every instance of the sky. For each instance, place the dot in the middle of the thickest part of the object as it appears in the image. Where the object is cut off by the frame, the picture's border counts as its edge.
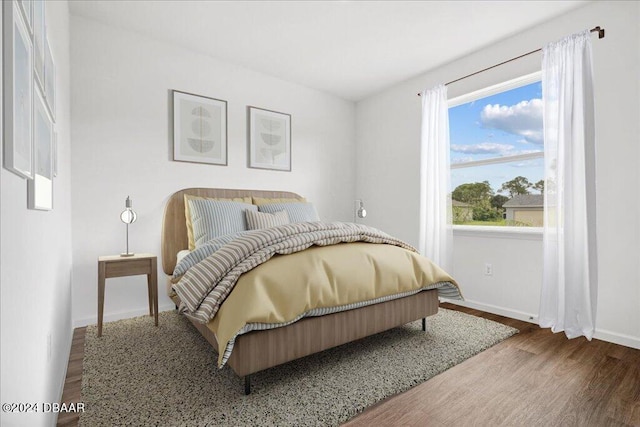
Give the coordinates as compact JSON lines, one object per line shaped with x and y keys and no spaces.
{"x":500,"y":125}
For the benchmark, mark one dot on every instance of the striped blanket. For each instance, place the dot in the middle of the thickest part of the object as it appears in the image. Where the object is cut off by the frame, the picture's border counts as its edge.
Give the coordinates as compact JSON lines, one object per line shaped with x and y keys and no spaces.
{"x":205,"y":286}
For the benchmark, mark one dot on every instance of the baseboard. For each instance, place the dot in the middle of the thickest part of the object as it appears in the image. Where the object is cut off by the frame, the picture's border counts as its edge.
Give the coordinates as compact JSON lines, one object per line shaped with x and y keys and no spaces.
{"x":616,"y":338}
{"x":600,"y":334}
{"x":513,"y":314}
{"x":111,"y":317}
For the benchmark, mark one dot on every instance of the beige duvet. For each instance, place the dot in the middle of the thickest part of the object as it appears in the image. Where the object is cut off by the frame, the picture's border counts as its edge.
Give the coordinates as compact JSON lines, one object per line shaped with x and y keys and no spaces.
{"x":287,"y":286}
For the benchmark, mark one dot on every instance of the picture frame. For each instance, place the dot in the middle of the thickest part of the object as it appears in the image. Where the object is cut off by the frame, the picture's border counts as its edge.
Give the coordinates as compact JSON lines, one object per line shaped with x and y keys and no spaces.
{"x":17,"y":92}
{"x":269,"y":139}
{"x":199,"y":129}
{"x":40,"y":188}
{"x":39,"y":36}
{"x":55,"y":153}
{"x":49,"y":80}
{"x":26,"y":8}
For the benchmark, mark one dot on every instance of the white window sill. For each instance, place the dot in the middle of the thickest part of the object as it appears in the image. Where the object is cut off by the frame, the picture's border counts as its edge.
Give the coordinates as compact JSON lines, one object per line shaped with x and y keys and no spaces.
{"x":498,"y":232}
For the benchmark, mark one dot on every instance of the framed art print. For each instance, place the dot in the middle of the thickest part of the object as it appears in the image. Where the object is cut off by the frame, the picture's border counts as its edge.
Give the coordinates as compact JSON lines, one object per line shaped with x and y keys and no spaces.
{"x":199,"y":129}
{"x":25,"y":6}
{"x":49,"y":80}
{"x":18,"y":92}
{"x":55,"y":153}
{"x":40,"y":188}
{"x":39,"y":36}
{"x":269,"y":139}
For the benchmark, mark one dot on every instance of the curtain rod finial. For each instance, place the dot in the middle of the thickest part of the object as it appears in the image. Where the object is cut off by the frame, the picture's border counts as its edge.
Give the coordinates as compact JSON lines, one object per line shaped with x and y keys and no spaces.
{"x":600,"y":31}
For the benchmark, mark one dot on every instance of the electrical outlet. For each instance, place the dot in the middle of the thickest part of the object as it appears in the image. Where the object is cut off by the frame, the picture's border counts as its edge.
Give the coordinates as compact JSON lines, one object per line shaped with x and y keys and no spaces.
{"x":488,"y":269}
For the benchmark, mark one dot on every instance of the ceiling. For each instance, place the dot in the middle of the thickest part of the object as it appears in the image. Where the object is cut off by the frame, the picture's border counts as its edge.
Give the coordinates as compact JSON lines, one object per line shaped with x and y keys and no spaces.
{"x":351,"y":49}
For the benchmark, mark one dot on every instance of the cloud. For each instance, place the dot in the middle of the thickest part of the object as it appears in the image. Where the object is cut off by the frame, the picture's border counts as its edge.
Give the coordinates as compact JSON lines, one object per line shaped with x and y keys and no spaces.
{"x":522,"y":165}
{"x":483,"y":148}
{"x":523,"y":119}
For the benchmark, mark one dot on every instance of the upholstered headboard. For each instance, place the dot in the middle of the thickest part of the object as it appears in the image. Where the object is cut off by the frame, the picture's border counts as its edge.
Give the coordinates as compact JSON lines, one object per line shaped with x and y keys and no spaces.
{"x":174,"y":228}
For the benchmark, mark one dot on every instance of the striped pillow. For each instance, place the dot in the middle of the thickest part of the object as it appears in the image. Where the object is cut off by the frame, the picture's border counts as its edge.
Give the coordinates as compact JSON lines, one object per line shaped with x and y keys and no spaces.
{"x":214,"y":218}
{"x":298,"y":212}
{"x":259,"y":220}
{"x":187,"y":212}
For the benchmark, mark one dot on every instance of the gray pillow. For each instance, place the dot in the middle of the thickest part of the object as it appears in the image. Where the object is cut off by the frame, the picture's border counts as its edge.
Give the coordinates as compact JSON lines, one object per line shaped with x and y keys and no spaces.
{"x":215,"y":218}
{"x":298,"y":212}
{"x":260,"y":220}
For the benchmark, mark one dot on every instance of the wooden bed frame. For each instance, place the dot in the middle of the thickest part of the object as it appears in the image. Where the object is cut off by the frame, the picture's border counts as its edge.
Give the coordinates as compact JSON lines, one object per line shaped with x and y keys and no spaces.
{"x":259,"y":350}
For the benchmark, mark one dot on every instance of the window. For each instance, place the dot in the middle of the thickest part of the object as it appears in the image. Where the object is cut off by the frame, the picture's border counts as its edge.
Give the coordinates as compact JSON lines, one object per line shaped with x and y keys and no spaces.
{"x":497,"y":155}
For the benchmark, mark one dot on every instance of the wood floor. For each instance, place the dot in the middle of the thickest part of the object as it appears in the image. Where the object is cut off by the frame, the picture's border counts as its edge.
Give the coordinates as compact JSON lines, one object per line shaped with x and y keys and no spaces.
{"x":534,"y":378}
{"x":73,"y":381}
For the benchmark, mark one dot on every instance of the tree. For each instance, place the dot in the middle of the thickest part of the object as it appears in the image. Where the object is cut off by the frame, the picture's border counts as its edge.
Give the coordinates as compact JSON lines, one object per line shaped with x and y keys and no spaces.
{"x":473,"y":193}
{"x":498,"y":200}
{"x":518,"y":185}
{"x":484,"y":212}
{"x":539,"y":186}
{"x":478,"y":196}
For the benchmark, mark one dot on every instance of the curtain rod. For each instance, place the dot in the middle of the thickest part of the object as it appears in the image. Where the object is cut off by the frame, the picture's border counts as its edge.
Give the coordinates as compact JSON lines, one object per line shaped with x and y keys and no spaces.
{"x":597,"y":29}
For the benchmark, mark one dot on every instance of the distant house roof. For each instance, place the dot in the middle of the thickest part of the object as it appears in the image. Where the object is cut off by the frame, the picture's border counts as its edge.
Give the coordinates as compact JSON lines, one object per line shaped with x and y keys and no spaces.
{"x":525,"y":201}
{"x":460,"y":204}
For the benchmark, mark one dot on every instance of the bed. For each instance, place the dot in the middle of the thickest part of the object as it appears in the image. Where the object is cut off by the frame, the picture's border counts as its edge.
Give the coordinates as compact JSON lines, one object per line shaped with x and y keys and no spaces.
{"x":257,"y":350}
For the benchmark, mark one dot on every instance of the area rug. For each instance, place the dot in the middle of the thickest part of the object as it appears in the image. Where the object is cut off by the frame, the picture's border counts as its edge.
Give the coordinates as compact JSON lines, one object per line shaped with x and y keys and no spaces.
{"x":137,"y":374}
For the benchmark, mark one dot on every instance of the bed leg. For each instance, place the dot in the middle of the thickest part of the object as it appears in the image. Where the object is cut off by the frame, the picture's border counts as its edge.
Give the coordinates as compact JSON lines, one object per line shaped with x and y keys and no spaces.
{"x":247,"y":385}
{"x":424,"y":324}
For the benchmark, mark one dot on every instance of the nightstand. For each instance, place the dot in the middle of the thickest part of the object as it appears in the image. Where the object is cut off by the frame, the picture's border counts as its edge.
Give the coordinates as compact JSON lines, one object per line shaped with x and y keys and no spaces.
{"x":119,"y":266}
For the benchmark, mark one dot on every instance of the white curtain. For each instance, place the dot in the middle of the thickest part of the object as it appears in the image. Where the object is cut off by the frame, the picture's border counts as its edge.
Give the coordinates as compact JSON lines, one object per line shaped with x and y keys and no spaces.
{"x":436,"y":238}
{"x":569,"y":289}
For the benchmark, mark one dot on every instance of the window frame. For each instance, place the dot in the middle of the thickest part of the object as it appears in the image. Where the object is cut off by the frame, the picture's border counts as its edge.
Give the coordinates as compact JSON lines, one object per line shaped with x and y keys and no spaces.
{"x":502,"y":231}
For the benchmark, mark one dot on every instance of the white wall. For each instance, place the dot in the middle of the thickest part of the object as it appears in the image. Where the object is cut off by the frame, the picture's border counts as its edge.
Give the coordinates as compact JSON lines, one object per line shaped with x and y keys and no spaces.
{"x":35,"y":274}
{"x":122,"y":146}
{"x":388,"y":138}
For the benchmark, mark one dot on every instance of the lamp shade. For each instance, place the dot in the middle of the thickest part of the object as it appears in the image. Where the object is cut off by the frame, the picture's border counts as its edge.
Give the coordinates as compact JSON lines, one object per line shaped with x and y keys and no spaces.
{"x":128,"y":216}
